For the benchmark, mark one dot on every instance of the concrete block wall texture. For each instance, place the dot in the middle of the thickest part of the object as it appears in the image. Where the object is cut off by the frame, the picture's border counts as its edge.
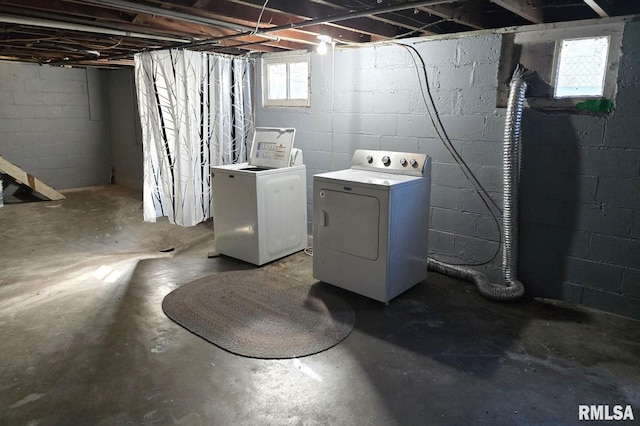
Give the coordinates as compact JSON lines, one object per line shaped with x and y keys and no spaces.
{"x":580,"y":190}
{"x":47,"y":127}
{"x":126,"y":137}
{"x":377,"y":104}
{"x":581,"y":197}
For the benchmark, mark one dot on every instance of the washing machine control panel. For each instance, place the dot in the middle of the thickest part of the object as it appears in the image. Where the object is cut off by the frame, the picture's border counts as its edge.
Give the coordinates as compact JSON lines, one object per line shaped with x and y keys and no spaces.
{"x":390,"y":161}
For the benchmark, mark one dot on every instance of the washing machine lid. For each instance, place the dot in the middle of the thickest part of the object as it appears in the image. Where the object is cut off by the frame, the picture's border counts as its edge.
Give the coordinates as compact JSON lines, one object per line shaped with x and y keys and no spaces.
{"x":271,"y":147}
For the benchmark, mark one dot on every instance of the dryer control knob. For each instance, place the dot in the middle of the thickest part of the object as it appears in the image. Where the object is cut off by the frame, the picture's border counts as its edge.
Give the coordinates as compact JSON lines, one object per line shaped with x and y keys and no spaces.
{"x":369,"y":159}
{"x":414,"y":163}
{"x":386,"y":160}
{"x":403,"y":162}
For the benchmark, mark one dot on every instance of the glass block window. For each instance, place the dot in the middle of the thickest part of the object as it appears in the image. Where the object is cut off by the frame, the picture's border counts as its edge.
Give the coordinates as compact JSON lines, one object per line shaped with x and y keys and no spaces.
{"x":581,"y":68}
{"x":286,"y":82}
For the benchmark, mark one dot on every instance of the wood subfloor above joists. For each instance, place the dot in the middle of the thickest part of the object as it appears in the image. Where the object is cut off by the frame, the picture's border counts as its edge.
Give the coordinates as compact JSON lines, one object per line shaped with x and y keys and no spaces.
{"x":110,"y":32}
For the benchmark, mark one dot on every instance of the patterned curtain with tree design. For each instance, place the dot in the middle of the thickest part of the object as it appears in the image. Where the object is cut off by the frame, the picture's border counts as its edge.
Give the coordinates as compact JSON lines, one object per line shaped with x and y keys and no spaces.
{"x":196,"y":112}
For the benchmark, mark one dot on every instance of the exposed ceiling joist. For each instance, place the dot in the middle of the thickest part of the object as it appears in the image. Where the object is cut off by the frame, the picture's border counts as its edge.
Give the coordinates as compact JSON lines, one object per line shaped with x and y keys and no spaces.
{"x":248,"y":16}
{"x":372,"y":11}
{"x":598,"y":6}
{"x":71,"y":31}
{"x":317,"y":21}
{"x":59,"y":25}
{"x":167,"y":13}
{"x":74,"y":9}
{"x":523,"y":8}
{"x":398,"y":19}
{"x":305,"y":10}
{"x":472,"y":16}
{"x":216,"y":41}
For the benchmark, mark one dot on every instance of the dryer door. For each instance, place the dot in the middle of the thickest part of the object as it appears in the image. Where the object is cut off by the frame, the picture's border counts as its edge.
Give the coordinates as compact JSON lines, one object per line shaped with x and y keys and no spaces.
{"x":348,"y":223}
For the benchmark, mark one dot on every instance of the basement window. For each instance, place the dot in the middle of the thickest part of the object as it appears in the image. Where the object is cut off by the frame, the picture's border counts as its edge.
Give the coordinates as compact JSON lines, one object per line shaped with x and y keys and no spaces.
{"x":286,"y":81}
{"x":582,"y":64}
{"x":577,"y":67}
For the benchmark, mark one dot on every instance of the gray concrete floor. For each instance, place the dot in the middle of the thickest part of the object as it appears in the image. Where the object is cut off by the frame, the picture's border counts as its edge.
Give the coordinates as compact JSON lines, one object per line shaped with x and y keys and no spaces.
{"x":85,"y":341}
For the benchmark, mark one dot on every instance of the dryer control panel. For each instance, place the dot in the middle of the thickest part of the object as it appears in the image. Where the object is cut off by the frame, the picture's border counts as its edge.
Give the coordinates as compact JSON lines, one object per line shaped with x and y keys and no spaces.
{"x":405,"y":163}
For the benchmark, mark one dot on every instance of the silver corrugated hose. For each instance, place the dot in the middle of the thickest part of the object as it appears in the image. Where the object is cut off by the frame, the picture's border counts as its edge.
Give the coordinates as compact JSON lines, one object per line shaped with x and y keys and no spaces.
{"x":486,"y":288}
{"x":511,"y":178}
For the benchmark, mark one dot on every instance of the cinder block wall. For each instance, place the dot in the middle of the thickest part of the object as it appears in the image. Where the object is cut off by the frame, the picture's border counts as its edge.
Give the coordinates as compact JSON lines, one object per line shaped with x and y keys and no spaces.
{"x":579,"y":221}
{"x":126,"y":137}
{"x":580,"y":203}
{"x":47,"y":126}
{"x":377,"y":104}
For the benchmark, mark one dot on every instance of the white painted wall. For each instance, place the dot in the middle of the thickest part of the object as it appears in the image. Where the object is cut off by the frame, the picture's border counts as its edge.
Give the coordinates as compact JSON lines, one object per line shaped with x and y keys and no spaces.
{"x":580,"y":189}
{"x":47,"y":126}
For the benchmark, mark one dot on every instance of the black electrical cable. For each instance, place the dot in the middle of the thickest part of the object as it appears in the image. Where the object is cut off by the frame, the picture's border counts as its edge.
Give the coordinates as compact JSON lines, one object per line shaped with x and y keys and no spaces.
{"x":446,"y":140}
{"x":452,"y":150}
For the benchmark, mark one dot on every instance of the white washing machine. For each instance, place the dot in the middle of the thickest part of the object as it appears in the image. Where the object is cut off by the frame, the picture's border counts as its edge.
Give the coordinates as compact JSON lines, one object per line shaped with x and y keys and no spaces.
{"x":260,"y":207}
{"x":371,"y":223}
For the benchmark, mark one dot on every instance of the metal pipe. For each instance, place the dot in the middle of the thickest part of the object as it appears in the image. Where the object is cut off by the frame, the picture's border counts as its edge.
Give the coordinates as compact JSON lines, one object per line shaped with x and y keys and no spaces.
{"x":168,"y":13}
{"x":67,"y":48}
{"x":294,"y":25}
{"x":47,"y":23}
{"x":361,"y":13}
{"x":326,"y":20}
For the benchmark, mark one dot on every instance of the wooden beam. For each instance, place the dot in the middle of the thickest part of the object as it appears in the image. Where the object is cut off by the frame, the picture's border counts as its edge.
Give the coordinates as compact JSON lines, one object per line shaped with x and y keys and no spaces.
{"x":248,"y":15}
{"x":308,"y":10}
{"x":598,"y":7}
{"x":522,"y":8}
{"x":31,"y":181}
{"x":68,"y":8}
{"x":397,"y":19}
{"x":61,"y":22}
{"x":200,"y":3}
{"x":176,"y":26}
{"x":475,"y":19}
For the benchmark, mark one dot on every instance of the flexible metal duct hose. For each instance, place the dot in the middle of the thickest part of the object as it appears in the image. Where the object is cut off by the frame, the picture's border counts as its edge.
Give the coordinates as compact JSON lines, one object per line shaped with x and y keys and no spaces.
{"x":511,"y":177}
{"x":485,"y":287}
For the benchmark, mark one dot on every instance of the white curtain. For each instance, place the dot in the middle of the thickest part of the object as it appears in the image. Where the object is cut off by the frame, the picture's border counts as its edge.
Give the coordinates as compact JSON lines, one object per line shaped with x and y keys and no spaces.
{"x":195,"y":111}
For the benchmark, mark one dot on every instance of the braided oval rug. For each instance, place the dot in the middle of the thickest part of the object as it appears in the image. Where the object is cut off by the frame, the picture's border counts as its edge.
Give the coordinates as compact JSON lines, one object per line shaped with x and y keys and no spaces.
{"x":260,"y":314}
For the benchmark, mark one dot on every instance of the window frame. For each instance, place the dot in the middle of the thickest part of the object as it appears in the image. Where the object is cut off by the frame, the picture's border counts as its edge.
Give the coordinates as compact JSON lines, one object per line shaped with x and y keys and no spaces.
{"x":285,"y":59}
{"x":516,"y":42}
{"x":556,"y":67}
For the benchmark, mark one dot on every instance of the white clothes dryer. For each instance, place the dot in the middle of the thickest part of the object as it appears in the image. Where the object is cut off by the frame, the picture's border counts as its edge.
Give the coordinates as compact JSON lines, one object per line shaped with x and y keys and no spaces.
{"x":260,"y":207}
{"x":371,"y":223}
